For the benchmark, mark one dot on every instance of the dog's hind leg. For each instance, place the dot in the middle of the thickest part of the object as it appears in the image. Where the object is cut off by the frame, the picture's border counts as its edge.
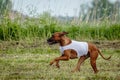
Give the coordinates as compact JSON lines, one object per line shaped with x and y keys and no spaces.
{"x":80,"y":61}
{"x":93,"y":58}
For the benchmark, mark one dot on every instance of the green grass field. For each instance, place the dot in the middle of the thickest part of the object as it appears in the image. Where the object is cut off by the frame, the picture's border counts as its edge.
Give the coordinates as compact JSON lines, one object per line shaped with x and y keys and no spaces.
{"x":24,"y":53}
{"x":30,"y":61}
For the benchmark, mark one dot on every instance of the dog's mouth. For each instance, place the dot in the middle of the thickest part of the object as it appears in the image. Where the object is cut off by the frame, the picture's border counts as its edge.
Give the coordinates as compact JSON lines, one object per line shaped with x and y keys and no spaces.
{"x":50,"y":41}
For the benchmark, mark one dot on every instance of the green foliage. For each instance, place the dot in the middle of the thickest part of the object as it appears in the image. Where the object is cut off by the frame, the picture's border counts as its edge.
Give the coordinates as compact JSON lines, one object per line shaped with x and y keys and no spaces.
{"x":43,"y":26}
{"x":5,"y":7}
{"x":31,"y":28}
{"x":103,"y":7}
{"x":101,"y":10}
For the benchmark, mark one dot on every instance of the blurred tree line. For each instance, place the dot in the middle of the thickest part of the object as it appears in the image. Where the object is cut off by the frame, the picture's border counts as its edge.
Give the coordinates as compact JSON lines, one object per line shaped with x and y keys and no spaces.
{"x":99,"y":10}
{"x":102,"y":9}
{"x":5,"y":7}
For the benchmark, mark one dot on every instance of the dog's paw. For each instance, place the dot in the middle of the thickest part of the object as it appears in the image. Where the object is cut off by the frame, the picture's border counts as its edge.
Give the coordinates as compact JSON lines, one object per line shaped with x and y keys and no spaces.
{"x":96,"y":71}
{"x":51,"y":63}
{"x":58,"y":66}
{"x":75,"y":70}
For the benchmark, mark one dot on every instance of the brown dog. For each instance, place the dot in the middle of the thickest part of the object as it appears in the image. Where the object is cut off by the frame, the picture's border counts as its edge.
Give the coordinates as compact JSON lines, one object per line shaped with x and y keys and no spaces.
{"x":92,"y":51}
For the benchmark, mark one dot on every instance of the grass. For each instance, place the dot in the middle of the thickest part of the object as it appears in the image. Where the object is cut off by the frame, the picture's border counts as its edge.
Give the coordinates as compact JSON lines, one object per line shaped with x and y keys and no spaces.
{"x":31,"y":28}
{"x":30,"y":61}
{"x":36,"y":66}
{"x":24,"y":53}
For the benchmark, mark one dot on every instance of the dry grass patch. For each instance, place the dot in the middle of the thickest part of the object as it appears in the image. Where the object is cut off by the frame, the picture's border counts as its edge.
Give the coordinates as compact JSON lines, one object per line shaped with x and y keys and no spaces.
{"x":36,"y":66}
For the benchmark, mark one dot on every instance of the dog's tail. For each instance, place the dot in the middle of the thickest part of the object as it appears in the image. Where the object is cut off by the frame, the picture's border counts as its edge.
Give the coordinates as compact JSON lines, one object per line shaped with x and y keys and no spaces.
{"x":103,"y":56}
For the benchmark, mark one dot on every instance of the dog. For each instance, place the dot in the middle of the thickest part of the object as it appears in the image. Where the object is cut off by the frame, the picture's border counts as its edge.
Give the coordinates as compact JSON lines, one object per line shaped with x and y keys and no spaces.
{"x":71,"y":49}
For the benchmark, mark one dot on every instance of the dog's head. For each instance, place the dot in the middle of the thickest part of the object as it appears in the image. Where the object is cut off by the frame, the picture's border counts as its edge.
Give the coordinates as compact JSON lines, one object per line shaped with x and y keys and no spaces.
{"x":56,"y":37}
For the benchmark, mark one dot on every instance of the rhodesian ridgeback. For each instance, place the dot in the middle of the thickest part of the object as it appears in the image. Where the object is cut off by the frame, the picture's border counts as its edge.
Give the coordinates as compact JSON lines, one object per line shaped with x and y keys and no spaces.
{"x":71,"y":49}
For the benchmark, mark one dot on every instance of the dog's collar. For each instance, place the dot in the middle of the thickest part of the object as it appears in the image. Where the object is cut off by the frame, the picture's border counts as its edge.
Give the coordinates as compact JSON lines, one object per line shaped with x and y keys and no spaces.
{"x":68,"y":44}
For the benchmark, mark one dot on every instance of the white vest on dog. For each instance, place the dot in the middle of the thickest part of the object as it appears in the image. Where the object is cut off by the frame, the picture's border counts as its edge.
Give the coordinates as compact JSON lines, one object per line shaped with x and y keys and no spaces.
{"x":80,"y":47}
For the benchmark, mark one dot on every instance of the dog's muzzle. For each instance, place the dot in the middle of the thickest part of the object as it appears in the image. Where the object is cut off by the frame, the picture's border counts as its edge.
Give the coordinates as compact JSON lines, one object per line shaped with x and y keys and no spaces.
{"x":50,"y":41}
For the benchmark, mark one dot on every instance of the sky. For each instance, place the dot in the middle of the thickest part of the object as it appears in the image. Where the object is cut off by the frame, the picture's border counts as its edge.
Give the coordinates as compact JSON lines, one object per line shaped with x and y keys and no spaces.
{"x":55,"y":7}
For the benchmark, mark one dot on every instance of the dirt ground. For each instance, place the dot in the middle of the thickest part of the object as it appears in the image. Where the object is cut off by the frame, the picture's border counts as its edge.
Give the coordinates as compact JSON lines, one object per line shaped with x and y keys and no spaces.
{"x":34,"y":44}
{"x":108,"y":44}
{"x":29,"y":60}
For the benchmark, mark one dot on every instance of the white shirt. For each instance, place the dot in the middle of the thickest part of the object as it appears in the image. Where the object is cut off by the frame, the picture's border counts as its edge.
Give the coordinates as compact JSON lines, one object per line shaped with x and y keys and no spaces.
{"x":80,"y":47}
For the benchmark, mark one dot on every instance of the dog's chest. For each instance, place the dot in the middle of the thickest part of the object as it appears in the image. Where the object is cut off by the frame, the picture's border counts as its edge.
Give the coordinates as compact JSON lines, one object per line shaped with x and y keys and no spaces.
{"x":81,"y":48}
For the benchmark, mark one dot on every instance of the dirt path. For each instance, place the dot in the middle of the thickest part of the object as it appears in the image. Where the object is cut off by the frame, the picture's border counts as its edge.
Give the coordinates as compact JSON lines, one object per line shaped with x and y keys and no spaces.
{"x":108,"y":44}
{"x":35,"y":44}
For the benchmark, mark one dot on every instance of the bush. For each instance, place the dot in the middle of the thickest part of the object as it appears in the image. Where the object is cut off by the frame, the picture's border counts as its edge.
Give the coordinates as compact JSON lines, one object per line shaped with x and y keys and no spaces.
{"x":31,"y":28}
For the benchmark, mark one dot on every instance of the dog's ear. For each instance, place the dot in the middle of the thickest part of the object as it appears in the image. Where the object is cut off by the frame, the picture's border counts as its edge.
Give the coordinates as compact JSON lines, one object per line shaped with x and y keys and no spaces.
{"x":63,"y":33}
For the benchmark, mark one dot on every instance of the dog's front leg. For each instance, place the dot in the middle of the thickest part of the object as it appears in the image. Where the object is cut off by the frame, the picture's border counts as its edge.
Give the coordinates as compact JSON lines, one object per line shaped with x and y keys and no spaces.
{"x":57,"y":62}
{"x":63,"y":57}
